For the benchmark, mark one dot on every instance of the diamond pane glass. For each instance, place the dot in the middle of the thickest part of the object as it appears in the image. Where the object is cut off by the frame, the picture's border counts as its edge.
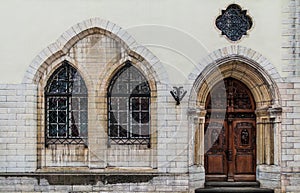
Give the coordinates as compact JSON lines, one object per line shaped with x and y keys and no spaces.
{"x":52,"y":130}
{"x":62,"y":130}
{"x":83,"y":130}
{"x":52,"y":117}
{"x":113,"y":130}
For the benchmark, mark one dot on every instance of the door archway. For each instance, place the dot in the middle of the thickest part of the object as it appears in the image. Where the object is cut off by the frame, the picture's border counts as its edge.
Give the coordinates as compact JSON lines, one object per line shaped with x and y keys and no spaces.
{"x":263,"y":87}
{"x":230,"y":133}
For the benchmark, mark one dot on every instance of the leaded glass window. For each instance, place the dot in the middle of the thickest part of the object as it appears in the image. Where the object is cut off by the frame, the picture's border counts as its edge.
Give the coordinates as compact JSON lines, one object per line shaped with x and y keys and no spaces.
{"x":129,"y":107}
{"x":66,"y":107}
{"x":234,"y":22}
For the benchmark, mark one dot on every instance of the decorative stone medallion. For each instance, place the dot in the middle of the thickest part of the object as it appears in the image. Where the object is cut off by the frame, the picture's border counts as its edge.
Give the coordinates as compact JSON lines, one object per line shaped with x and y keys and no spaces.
{"x":234,"y":22}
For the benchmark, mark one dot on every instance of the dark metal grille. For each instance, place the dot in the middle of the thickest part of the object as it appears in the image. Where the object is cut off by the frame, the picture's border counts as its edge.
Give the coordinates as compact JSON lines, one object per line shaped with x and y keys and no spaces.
{"x":66,"y":107}
{"x":129,"y":107}
{"x":234,"y":22}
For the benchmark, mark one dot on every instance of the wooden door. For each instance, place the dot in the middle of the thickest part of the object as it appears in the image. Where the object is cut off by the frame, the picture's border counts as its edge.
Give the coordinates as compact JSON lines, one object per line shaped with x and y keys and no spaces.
{"x":216,"y":148}
{"x":230,"y":134}
{"x":244,"y":150}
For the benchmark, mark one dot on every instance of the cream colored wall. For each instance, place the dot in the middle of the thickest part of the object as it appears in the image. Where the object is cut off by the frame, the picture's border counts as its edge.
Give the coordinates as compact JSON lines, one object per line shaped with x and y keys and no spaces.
{"x":29,"y":26}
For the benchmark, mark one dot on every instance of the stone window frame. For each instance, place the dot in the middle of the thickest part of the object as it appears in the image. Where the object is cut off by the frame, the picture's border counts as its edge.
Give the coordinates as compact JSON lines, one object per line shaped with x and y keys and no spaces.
{"x":50,"y":58}
{"x":42,"y":145}
{"x":132,"y":138}
{"x":69,"y":110}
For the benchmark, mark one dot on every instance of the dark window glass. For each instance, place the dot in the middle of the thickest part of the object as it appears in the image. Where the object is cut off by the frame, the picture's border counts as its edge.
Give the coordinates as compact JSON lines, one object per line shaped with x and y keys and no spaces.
{"x":129,"y":107}
{"x":66,"y":107}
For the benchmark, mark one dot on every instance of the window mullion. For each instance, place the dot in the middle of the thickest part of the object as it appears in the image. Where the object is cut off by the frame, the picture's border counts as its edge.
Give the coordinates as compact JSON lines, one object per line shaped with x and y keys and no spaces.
{"x":118,"y":113}
{"x":109,"y":116}
{"x":68,"y":114}
{"x":129,"y":113}
{"x":79,"y":119}
{"x":129,"y":108}
{"x":57,"y":120}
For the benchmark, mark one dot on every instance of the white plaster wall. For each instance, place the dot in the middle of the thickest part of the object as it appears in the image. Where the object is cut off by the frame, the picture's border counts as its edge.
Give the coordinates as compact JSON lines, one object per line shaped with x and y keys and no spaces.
{"x":29,"y":26}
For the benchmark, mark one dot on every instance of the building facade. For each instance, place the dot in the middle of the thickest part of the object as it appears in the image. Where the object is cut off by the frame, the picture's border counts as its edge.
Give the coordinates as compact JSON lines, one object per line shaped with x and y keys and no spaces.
{"x":143,"y":96}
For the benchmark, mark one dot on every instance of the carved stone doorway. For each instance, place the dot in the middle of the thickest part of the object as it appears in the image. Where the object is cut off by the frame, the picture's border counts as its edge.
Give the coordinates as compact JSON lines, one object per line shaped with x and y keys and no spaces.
{"x":230,"y":133}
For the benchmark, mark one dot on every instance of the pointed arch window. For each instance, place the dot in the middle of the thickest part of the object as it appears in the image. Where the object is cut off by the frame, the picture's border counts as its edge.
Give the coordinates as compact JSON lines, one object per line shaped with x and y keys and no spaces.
{"x":66,"y":107}
{"x":129,"y":107}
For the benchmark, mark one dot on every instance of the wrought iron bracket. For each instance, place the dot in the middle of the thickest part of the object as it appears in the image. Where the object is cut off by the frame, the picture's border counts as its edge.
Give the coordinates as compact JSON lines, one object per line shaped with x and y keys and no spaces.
{"x":178,"y":93}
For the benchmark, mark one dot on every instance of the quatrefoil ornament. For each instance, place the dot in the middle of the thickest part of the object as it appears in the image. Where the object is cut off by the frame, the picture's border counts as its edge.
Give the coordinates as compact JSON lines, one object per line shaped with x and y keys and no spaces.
{"x":234,"y":22}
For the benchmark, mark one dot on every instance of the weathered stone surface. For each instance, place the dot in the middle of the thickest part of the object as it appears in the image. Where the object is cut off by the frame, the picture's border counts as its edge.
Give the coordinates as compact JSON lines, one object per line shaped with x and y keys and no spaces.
{"x":175,"y":160}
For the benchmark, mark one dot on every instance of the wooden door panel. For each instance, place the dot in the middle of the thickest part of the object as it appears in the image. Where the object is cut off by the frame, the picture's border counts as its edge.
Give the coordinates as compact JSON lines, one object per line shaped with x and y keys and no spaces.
{"x":244,"y":178}
{"x":216,"y":164}
{"x":244,"y":146}
{"x":244,"y":164}
{"x":231,"y":162}
{"x":244,"y":134}
{"x":215,"y":147}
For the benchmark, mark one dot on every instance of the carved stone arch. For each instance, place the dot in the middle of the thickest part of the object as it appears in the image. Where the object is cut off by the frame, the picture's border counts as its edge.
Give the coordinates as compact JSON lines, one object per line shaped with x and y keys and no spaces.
{"x":261,"y":77}
{"x":49,"y":59}
{"x":264,"y":90}
{"x":68,"y":39}
{"x":235,"y":52}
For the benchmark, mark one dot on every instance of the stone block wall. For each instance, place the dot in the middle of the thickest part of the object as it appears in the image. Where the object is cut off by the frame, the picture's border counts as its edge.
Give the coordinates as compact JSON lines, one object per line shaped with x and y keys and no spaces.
{"x":149,"y":184}
{"x":168,"y":166}
{"x":28,"y":165}
{"x":18,"y":117}
{"x":290,"y":162}
{"x":19,"y":157}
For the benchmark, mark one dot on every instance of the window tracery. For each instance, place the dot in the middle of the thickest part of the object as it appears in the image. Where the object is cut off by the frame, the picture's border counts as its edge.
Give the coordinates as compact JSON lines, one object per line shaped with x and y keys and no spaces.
{"x":234,"y":22}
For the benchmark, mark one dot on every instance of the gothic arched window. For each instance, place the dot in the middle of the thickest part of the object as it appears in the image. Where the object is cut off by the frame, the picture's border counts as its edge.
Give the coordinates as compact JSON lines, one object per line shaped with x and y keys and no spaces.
{"x":129,"y":107}
{"x":66,"y":107}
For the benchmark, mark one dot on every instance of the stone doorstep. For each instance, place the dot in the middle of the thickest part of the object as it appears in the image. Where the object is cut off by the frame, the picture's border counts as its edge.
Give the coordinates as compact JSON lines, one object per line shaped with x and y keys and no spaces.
{"x":233,"y":187}
{"x":232,"y":184}
{"x":234,"y":190}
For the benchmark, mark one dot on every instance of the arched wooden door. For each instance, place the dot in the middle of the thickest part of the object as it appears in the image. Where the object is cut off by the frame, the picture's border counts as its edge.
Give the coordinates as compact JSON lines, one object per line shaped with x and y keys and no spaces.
{"x":230,"y":133}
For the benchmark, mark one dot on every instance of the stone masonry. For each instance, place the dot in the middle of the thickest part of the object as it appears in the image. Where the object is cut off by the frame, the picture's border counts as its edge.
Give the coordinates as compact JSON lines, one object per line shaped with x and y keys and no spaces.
{"x":175,"y":161}
{"x":290,"y":98}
